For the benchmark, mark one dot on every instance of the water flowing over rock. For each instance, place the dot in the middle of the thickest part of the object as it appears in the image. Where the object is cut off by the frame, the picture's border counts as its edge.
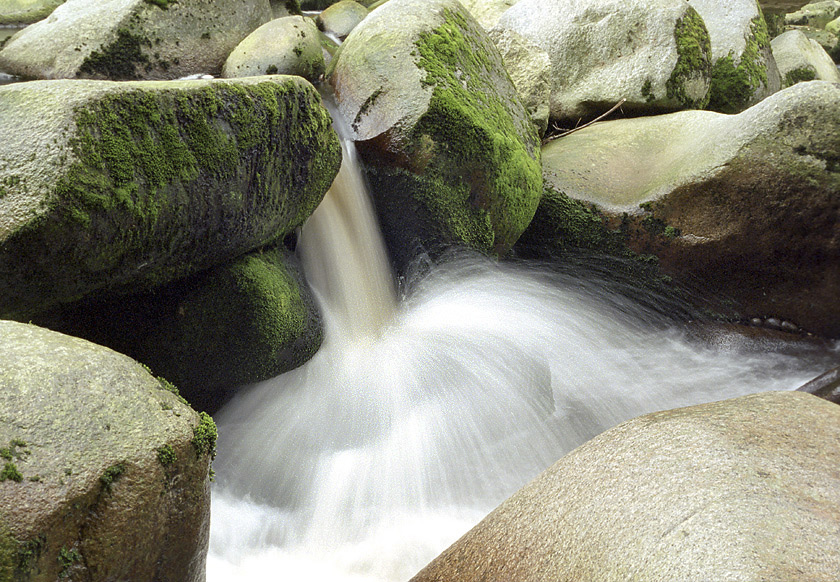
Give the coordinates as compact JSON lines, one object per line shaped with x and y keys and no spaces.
{"x":451,"y":153}
{"x":106,"y":472}
{"x":653,"y":53}
{"x":132,"y":39}
{"x":743,"y":489}
{"x":126,"y":186}
{"x":743,"y":69}
{"x":285,"y":46}
{"x":802,"y":59}
{"x":26,"y":11}
{"x":747,"y":203}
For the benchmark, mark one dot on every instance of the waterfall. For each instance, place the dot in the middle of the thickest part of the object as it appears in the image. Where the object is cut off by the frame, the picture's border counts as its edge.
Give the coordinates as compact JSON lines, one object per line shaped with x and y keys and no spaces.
{"x":417,"y":417}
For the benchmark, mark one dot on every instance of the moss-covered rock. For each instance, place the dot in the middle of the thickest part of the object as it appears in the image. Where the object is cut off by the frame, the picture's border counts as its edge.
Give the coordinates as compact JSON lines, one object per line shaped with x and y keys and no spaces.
{"x":285,"y":46}
{"x":83,"y":426}
{"x":341,"y":18}
{"x":235,"y":324}
{"x":743,"y":489}
{"x":126,"y":186}
{"x":744,"y":71}
{"x":751,"y":199}
{"x":654,"y":55}
{"x":26,"y":11}
{"x":814,"y":14}
{"x":802,"y":59}
{"x":451,"y":153}
{"x":132,"y":39}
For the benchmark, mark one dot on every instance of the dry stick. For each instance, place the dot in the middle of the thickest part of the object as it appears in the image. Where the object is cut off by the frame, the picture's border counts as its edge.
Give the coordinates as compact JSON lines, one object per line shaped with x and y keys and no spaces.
{"x":599,"y":118}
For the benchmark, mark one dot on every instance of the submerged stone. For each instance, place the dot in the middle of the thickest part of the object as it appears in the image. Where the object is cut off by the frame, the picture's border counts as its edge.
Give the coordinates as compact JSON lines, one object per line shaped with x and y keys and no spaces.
{"x":126,"y":186}
{"x":450,"y":151}
{"x":112,"y":469}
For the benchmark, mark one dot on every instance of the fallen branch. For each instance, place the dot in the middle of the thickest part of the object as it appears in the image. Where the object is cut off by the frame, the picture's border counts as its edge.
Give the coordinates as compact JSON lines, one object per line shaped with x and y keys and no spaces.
{"x":578,"y":128}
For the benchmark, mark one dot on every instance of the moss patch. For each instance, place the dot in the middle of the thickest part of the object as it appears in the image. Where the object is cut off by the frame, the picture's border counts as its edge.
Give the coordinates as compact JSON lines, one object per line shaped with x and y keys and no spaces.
{"x":478,"y":178}
{"x":166,"y":455}
{"x":734,"y":84}
{"x":694,"y":54}
{"x":110,"y":476}
{"x":120,"y":59}
{"x":205,"y":435}
{"x":799,"y":75}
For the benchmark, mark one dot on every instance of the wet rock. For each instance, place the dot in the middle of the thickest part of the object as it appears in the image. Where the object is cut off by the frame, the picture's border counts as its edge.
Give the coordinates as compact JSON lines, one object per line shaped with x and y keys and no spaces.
{"x":26,"y":11}
{"x":741,"y":489}
{"x":132,"y":39}
{"x":825,"y":386}
{"x":106,"y":472}
{"x":341,"y":18}
{"x":656,"y":55}
{"x":802,"y":59}
{"x":814,"y":14}
{"x":126,"y":186}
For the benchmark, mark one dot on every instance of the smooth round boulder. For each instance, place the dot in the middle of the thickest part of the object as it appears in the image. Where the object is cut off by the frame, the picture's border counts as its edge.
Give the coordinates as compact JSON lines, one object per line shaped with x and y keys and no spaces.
{"x":132,"y":39}
{"x":126,"y":186}
{"x":26,"y":11}
{"x":339,"y":19}
{"x":802,"y":59}
{"x":743,"y":489}
{"x":449,"y":150}
{"x":653,"y":54}
{"x":747,"y":202}
{"x":743,"y":69}
{"x":284,"y":46}
{"x":106,"y":471}
{"x":488,"y":12}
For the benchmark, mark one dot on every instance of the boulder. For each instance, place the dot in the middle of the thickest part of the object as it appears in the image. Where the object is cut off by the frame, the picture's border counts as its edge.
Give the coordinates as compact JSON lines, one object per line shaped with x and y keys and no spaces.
{"x":814,"y":14}
{"x":235,"y":324}
{"x":26,"y":11}
{"x":747,"y":203}
{"x":449,"y":150}
{"x":744,"y":489}
{"x":825,"y":386}
{"x":655,"y":54}
{"x":132,"y":39}
{"x":285,"y":46}
{"x":826,"y":39}
{"x":126,"y":186}
{"x":802,"y":59}
{"x":781,"y":6}
{"x":530,"y":70}
{"x":488,"y":12}
{"x":282,"y":8}
{"x":106,"y":471}
{"x":743,"y":71}
{"x":341,"y":18}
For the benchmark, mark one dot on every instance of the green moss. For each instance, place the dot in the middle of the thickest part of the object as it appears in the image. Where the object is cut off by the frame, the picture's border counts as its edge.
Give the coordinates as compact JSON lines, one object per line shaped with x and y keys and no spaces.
{"x":479,"y":178}
{"x":66,"y":560}
{"x":733,"y":85}
{"x":10,"y":472}
{"x":166,"y":455}
{"x":800,"y":74}
{"x":694,"y":54}
{"x":111,"y":475}
{"x":205,"y":435}
{"x":271,"y":70}
{"x":120,"y":59}
{"x":647,"y":91}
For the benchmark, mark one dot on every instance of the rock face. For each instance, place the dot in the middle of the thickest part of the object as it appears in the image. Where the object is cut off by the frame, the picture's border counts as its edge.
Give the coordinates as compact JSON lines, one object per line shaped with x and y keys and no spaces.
{"x":232,"y":325}
{"x":285,"y":46}
{"x":132,"y":39}
{"x":750,"y":200}
{"x":744,"y":71}
{"x":655,"y":54}
{"x":127,"y":186}
{"x":744,"y":489}
{"x":106,"y":472}
{"x":26,"y":11}
{"x":451,"y":153}
{"x":802,"y":59}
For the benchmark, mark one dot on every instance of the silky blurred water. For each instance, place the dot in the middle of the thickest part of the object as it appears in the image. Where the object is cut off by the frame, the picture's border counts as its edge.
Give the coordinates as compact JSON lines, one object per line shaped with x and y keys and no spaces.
{"x":418,"y":416}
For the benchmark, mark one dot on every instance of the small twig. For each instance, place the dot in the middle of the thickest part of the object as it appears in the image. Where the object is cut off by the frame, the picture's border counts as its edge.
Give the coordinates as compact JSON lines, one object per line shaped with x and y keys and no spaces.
{"x":578,"y":128}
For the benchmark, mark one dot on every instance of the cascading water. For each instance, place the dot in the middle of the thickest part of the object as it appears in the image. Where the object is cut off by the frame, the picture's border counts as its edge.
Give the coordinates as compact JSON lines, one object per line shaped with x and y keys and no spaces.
{"x":416,"y":418}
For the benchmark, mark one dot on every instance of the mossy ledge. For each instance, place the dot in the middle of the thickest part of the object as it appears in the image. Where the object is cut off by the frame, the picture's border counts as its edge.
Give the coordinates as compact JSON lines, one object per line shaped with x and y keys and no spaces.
{"x":734,"y":84}
{"x":694,"y":54}
{"x":162,"y":183}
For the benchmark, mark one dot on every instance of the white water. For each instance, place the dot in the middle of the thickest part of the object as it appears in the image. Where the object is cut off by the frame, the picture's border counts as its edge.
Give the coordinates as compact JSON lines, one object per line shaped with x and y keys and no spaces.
{"x":416,"y":418}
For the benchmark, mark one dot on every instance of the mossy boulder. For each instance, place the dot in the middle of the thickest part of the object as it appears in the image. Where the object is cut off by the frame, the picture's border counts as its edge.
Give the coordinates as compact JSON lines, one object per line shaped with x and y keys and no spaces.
{"x":655,"y":54}
{"x":235,"y":324}
{"x":285,"y":46}
{"x":802,"y":59}
{"x":127,"y":186}
{"x":449,"y":149}
{"x":781,"y":6}
{"x":814,"y":14}
{"x":111,"y":476}
{"x":26,"y":11}
{"x":744,"y":489}
{"x":744,"y":71}
{"x":132,"y":39}
{"x":745,"y":203}
{"x":341,"y":18}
